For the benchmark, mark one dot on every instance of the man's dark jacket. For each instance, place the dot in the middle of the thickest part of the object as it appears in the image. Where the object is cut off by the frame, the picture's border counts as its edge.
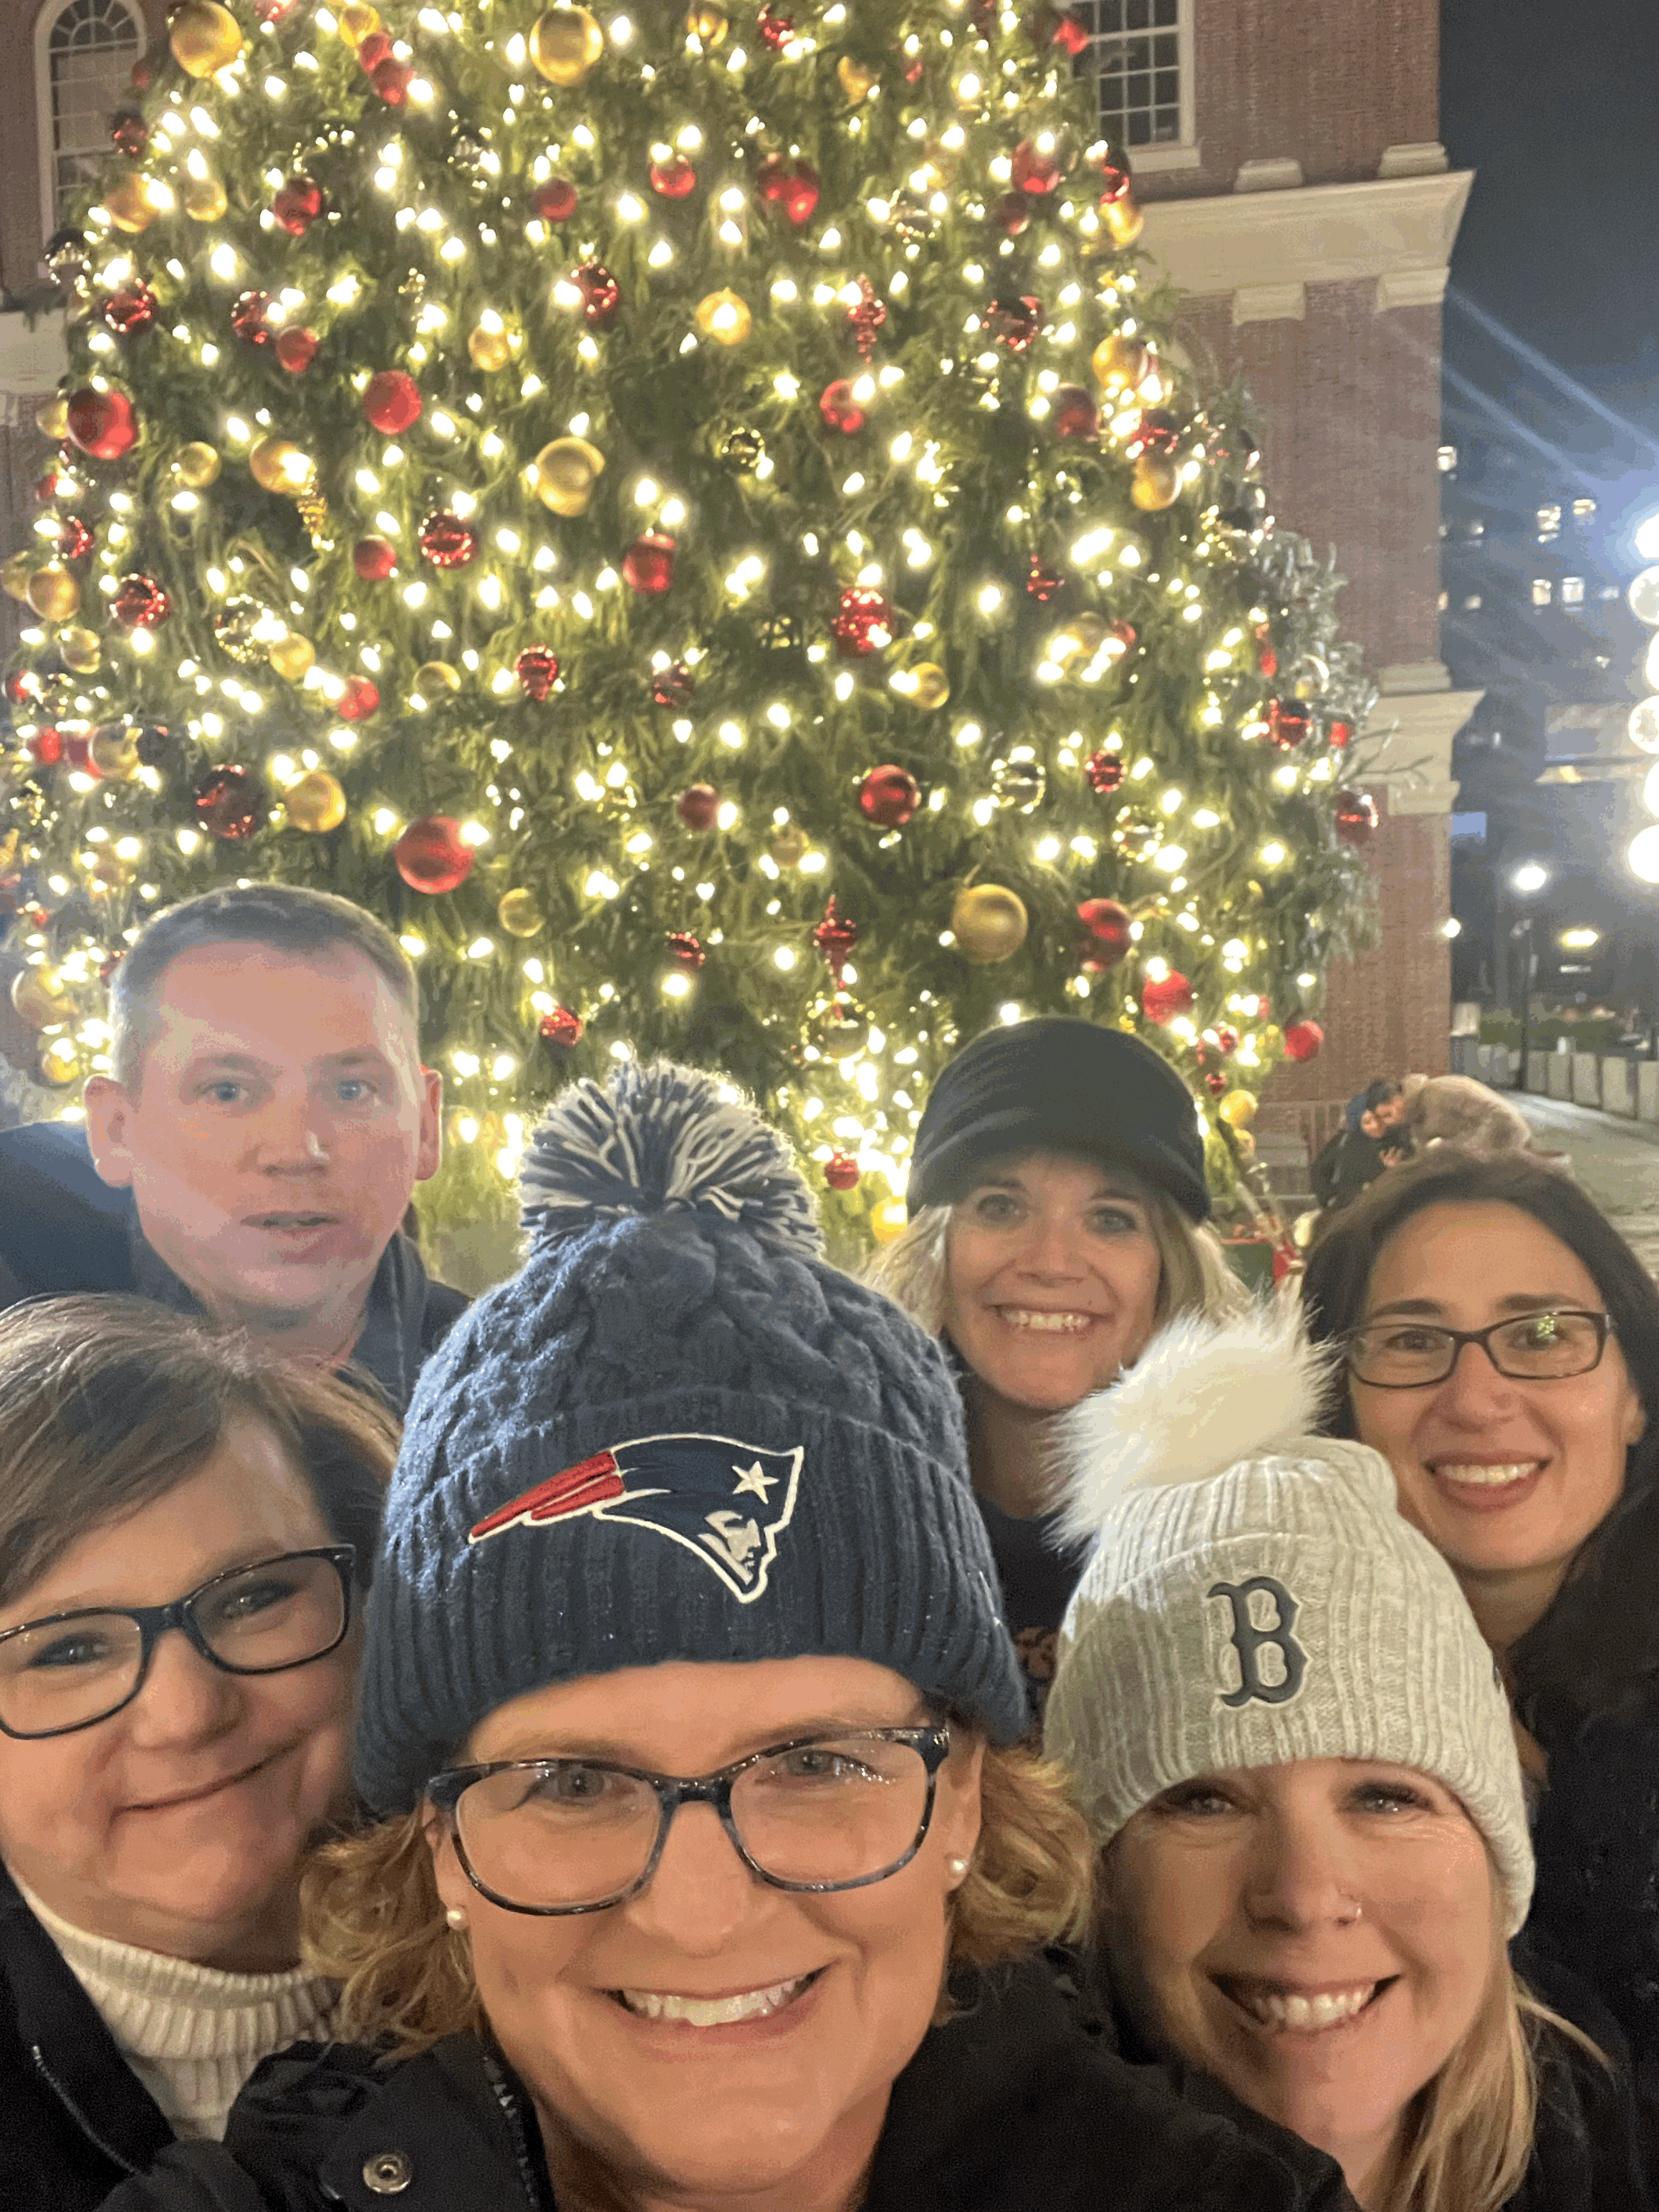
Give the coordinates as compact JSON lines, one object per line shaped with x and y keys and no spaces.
{"x":63,"y":1230}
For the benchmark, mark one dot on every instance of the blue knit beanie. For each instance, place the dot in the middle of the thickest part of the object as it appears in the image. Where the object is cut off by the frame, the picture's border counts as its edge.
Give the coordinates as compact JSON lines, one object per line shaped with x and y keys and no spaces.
{"x":676,"y":1433}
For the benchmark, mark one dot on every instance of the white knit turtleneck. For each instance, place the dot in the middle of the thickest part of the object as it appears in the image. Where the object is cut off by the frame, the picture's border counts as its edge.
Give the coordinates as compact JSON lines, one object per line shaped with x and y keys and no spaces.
{"x":191,"y":2034}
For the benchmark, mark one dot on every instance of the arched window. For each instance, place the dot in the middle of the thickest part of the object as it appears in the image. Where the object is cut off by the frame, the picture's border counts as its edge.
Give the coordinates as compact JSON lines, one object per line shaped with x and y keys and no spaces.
{"x":84,"y":52}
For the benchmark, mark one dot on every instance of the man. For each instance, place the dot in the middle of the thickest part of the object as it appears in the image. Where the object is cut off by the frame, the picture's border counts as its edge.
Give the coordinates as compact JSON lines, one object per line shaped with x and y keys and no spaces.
{"x":253,"y":1148}
{"x":1374,"y":1139}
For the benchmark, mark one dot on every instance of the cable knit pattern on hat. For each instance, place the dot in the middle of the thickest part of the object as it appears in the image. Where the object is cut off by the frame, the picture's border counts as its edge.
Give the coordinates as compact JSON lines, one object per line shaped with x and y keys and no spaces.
{"x":191,"y":2034}
{"x":676,"y":1290}
{"x":1255,"y":1597}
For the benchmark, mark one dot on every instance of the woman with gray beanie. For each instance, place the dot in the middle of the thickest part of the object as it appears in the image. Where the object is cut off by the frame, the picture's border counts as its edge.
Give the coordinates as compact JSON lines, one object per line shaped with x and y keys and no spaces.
{"x":1314,"y":1844}
{"x":688,"y":1718}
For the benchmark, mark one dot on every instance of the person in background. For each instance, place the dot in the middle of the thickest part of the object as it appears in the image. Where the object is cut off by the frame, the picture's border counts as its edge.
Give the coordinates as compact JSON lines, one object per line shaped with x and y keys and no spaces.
{"x":1456,"y":1109}
{"x":253,"y":1150}
{"x":706,"y":1860}
{"x":1058,"y":1214}
{"x":185,"y":1529}
{"x":1359,"y":1152}
{"x":1316,"y":1847}
{"x":1501,"y":1346}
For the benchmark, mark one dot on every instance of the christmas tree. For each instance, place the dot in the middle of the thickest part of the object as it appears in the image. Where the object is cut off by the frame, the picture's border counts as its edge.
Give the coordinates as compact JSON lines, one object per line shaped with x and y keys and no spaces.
{"x":689,"y":517}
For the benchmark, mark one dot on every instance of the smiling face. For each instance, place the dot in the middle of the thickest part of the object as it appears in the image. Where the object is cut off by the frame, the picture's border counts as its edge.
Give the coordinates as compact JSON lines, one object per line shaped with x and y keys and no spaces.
{"x":282,"y":1121}
{"x":1506,"y":1479}
{"x":1320,"y":1937}
{"x":714,"y":2035}
{"x":1052,"y":1278}
{"x":178,"y":1824}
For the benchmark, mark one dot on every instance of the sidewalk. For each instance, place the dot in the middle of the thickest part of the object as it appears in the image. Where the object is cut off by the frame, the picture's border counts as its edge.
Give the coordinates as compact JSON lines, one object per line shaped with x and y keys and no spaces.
{"x":1616,"y":1161}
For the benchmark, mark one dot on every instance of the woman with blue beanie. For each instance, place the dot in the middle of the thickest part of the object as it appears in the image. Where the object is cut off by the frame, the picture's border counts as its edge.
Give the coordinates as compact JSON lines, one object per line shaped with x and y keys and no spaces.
{"x":687,"y":1716}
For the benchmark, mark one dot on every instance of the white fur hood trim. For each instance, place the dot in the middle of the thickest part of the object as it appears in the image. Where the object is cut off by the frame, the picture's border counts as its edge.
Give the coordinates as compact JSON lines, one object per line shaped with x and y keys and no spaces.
{"x":1203,"y":1396}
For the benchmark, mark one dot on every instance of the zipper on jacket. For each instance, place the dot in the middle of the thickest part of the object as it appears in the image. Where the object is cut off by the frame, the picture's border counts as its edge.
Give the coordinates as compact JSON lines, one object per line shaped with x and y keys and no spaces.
{"x":75,"y":2113}
{"x":514,"y":2119}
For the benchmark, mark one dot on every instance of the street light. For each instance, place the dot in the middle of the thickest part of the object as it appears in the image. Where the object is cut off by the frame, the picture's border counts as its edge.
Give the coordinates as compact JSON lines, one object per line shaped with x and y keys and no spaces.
{"x":1531,"y":876}
{"x":1647,"y":539}
{"x":1579,"y":940}
{"x":1642,"y":858}
{"x":1527,"y":880}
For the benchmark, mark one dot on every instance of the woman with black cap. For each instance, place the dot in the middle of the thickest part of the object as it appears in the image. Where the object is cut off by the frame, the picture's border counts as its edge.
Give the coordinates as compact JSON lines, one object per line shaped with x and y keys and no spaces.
{"x":1058,"y":1212}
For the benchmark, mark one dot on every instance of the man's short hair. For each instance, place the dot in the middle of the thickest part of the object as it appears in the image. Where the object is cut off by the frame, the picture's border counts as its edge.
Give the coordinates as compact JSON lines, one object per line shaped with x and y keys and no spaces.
{"x":285,"y":918}
{"x":1381,"y":1092}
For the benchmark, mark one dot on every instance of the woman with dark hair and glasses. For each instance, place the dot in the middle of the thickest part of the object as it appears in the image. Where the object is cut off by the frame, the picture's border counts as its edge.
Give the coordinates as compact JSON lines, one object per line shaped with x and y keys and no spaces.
{"x":694,"y":1732}
{"x":1502,"y":1351}
{"x":184,"y":1528}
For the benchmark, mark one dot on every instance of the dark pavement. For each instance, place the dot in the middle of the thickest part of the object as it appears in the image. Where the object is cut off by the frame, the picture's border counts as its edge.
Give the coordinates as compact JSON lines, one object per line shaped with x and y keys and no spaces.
{"x":1617,"y":1162}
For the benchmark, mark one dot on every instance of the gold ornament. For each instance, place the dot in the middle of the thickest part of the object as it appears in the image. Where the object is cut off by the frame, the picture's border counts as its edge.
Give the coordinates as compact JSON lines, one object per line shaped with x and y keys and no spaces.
{"x":52,"y":417}
{"x":37,"y":997}
{"x":316,"y":803}
{"x":708,"y":22}
{"x":53,"y":592}
{"x":889,"y":1220}
{"x":1084,"y":634}
{"x":724,"y":316}
{"x":358,"y":20}
{"x":60,"y":1066}
{"x":14,"y":577}
{"x":129,"y":203}
{"x":196,"y":465}
{"x":1121,"y":363}
{"x":490,"y":349}
{"x":278,"y":465}
{"x":988,"y":923}
{"x":1124,"y":221}
{"x":205,"y":38}
{"x":204,"y":199}
{"x":565,"y":44}
{"x":565,"y":473}
{"x":292,"y":657}
{"x":314,"y":513}
{"x":929,"y":686}
{"x":79,"y":650}
{"x":787,"y":845}
{"x":1236,"y":1109}
{"x":520,"y":915}
{"x":432,"y":676}
{"x":1245,"y":1139}
{"x":111,"y":873}
{"x":855,"y":79}
{"x":113,"y":752}
{"x":1157,"y":482}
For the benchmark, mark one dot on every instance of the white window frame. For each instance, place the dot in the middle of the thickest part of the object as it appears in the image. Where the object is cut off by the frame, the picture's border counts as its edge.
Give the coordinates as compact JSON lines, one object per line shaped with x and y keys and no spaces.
{"x":1184,"y":153}
{"x":46,"y":117}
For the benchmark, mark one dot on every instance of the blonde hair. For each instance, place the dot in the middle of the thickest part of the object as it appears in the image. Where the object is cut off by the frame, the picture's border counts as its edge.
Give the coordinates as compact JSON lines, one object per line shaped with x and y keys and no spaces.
{"x":373,"y":1922}
{"x":1194,"y":1276}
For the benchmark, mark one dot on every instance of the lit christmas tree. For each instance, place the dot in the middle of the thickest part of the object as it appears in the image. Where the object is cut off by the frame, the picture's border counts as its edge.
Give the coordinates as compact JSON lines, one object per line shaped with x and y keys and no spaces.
{"x":688,"y":518}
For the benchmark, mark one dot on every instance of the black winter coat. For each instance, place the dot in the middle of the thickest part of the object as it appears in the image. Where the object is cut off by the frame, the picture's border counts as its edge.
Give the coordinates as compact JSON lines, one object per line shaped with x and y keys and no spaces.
{"x":1009,"y":2107}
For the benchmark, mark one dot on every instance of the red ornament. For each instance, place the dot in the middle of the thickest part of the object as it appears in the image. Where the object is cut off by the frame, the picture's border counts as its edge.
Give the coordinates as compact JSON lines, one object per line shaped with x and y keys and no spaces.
{"x":1116,"y":177}
{"x":129,"y":132}
{"x":142,"y":74}
{"x":865,"y":623}
{"x":1162,"y":1002}
{"x":889,"y":796}
{"x":1104,"y":772}
{"x":1014,"y":321}
{"x":674,"y":686}
{"x":1069,"y":36}
{"x":791,"y":186}
{"x":674,"y":179}
{"x":447,"y":541}
{"x":248,"y":318}
{"x":840,"y":410}
{"x":601,"y":294}
{"x":1340,"y":735}
{"x":74,"y":540}
{"x":1042,"y":583}
{"x":392,"y":402}
{"x":1215,"y":1082}
{"x":775,"y":27}
{"x":1157,"y":432}
{"x":271,"y":11}
{"x":1075,"y":413}
{"x":77,"y":749}
{"x":1012,"y":213}
{"x":230,"y":804}
{"x":1288,"y":723}
{"x":1035,"y":172}
{"x":554,"y":201}
{"x":391,"y":79}
{"x":648,"y":564}
{"x":129,"y":314}
{"x":297,"y":349}
{"x":432,"y":856}
{"x":45,"y":746}
{"x":1109,"y":925}
{"x":698,"y":806}
{"x":560,"y":1028}
{"x":102,"y":423}
{"x":140,"y":604}
{"x":1226,"y":1040}
{"x":46,"y":487}
{"x":842,"y":1171}
{"x":835,"y":938}
{"x":297,"y":204}
{"x":684,"y":949}
{"x":865,"y":319}
{"x":1267,"y":655}
{"x":537,"y":671}
{"x":375,"y":560}
{"x":360,"y":699}
{"x":1303,"y":1039}
{"x":1355,"y":816}
{"x":372,"y":50}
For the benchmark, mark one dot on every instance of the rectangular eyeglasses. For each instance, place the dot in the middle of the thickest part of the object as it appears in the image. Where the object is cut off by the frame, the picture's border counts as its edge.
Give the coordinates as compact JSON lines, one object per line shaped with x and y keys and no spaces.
{"x":1405,"y":1354}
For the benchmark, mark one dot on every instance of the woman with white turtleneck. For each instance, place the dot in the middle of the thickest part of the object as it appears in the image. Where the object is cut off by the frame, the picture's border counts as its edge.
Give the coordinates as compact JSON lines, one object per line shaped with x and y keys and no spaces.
{"x":185,"y":1529}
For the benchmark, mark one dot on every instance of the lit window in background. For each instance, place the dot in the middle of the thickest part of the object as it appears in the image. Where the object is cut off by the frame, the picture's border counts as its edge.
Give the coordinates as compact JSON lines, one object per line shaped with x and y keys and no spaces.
{"x":1446,"y":458}
{"x":1572,"y":591}
{"x":1549,"y":524}
{"x":1543,"y":591}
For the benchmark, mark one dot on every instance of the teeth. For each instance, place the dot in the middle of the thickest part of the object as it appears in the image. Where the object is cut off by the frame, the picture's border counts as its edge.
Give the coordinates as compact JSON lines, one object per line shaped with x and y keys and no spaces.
{"x":1488,"y":1478}
{"x":1306,"y":2015}
{"x":1054,"y":1324}
{"x":713,"y":2012}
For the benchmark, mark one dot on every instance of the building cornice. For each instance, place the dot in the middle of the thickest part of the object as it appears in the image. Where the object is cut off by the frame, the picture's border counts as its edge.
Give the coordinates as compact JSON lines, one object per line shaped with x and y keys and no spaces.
{"x":32,"y":359}
{"x":1407,"y":745}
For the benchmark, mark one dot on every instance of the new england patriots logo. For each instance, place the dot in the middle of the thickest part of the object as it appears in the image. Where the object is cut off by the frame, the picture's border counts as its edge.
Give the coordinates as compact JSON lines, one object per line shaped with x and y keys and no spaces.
{"x":726,"y":1502}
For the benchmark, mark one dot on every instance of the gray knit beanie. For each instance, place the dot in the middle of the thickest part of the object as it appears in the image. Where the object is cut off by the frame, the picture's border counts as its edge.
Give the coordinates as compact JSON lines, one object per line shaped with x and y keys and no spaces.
{"x":676,"y":1433}
{"x":1255,"y":1597}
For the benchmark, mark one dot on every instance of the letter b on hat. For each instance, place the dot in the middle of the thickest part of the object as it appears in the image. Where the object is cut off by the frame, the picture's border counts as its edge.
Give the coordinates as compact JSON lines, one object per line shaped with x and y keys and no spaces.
{"x":1268,"y":1661}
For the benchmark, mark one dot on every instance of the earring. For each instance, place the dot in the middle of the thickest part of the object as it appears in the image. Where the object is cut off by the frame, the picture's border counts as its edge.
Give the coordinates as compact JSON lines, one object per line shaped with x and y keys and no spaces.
{"x":956,"y":1869}
{"x":455,"y":1917}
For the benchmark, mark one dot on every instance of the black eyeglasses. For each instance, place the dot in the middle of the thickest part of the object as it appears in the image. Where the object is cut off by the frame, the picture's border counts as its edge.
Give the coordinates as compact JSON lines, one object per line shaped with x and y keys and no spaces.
{"x":1536,"y":1347}
{"x":71,"y":1670}
{"x":555,"y":1836}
